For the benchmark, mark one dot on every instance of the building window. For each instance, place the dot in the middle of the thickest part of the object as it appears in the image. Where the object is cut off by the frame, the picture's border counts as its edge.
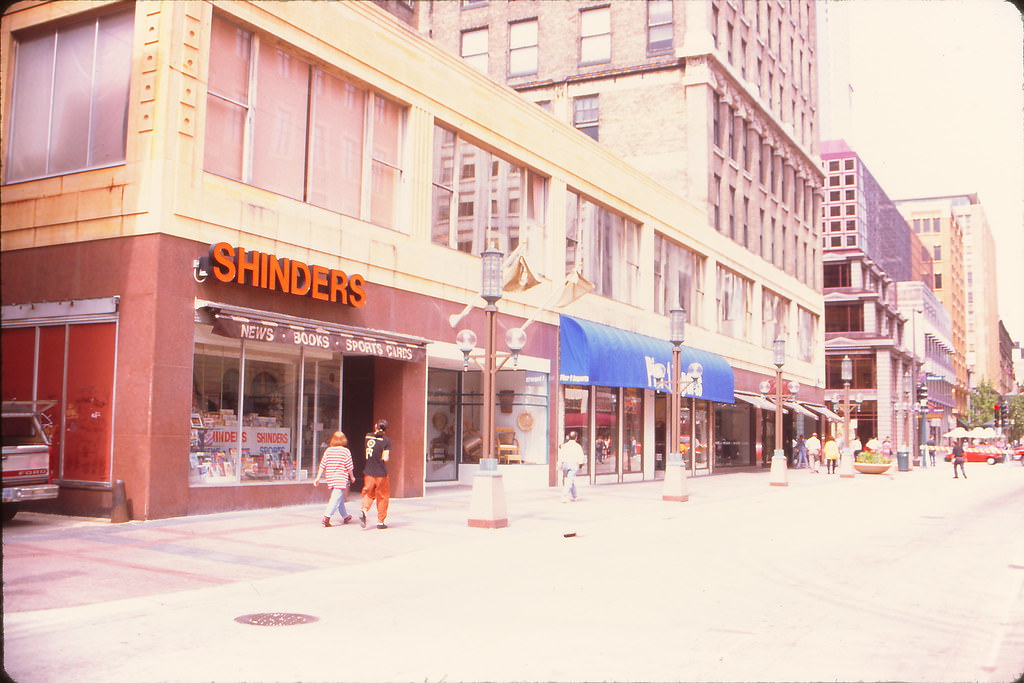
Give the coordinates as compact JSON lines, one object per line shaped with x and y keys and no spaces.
{"x":938,"y":281}
{"x":70,"y":97}
{"x":659,"y":26}
{"x":509,"y":187}
{"x":836,"y":275}
{"x":586,"y":115}
{"x":774,"y":314}
{"x":678,"y":274}
{"x":327,"y":154}
{"x":605,"y":245}
{"x":716,"y":202}
{"x":807,"y":325}
{"x":844,"y":318}
{"x":522,"y":48}
{"x":733,"y":303}
{"x":474,"y":48}
{"x":937,"y":252}
{"x":595,"y":35}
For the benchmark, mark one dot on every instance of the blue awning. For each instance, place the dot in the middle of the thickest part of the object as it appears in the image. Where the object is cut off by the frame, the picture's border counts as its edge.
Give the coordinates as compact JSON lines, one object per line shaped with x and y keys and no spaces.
{"x":601,"y":355}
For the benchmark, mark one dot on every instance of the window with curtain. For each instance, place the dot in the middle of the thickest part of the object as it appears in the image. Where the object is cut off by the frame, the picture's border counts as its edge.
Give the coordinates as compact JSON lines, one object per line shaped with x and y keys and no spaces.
{"x":474,"y":48}
{"x":677,"y":275}
{"x":733,"y":303}
{"x":774,"y":314}
{"x":280,"y":123}
{"x":595,"y":35}
{"x":523,"y":52}
{"x":607,"y":246}
{"x":69,"y":108}
{"x":807,"y":325}
{"x":491,"y":198}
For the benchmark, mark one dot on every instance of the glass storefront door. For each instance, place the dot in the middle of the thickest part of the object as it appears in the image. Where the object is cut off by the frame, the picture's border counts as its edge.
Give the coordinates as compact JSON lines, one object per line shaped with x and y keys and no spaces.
{"x":606,"y":438}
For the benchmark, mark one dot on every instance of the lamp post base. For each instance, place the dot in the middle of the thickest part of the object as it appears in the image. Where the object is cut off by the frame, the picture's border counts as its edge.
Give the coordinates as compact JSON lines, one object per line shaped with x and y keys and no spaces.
{"x":675,"y":488}
{"x":778,"y":475}
{"x":846,"y":470}
{"x":487,"y":500}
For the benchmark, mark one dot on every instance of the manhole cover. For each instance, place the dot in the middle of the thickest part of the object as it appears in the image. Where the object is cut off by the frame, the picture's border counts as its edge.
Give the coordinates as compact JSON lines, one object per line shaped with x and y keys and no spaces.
{"x":275,"y":619}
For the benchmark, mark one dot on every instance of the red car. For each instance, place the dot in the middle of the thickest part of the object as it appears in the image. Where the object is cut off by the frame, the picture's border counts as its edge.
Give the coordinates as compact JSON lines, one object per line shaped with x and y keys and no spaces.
{"x":981,"y":453}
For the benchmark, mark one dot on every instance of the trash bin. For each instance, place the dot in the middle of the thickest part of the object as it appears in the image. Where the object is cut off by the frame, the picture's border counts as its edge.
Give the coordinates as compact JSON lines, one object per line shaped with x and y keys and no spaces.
{"x":903,"y":459}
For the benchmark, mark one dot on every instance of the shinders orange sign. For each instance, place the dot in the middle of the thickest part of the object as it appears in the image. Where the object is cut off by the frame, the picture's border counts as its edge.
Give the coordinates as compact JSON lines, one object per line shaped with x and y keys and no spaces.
{"x":258,"y":269}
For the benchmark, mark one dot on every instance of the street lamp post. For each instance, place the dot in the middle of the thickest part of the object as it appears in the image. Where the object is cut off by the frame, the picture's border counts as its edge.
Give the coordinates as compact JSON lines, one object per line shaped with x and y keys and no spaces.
{"x":675,"y":488}
{"x":778,"y":475}
{"x":846,"y":454}
{"x":487,"y":502}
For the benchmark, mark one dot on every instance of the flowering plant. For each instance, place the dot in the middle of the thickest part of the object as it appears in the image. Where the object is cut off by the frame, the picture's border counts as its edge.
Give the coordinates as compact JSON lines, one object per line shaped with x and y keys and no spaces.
{"x":873,"y":457}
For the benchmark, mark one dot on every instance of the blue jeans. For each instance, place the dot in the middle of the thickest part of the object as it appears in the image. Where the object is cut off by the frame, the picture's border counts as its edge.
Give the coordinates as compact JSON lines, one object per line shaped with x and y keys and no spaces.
{"x":801,"y":459}
{"x":336,"y":503}
{"x":569,"y":479}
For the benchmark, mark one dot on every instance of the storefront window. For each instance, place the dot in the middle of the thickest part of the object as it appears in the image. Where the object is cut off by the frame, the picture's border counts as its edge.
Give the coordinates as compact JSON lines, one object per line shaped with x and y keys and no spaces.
{"x":577,"y":418}
{"x":455,"y":420}
{"x":693,"y":433}
{"x":732,"y":435}
{"x":606,"y":413}
{"x":633,"y":430}
{"x":443,"y":431}
{"x":247,"y":413}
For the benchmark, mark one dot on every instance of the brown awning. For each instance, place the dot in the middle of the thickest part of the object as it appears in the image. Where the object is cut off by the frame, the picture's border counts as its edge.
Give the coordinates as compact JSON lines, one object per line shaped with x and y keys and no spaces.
{"x":253,"y":325}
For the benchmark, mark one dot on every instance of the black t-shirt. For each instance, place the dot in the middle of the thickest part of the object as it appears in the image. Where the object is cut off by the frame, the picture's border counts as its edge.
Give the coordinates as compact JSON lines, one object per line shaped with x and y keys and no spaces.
{"x":376,"y":444}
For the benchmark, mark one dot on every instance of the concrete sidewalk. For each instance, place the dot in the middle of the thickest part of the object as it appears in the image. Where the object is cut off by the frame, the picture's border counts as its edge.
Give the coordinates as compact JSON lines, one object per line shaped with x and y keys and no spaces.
{"x":903,"y":577}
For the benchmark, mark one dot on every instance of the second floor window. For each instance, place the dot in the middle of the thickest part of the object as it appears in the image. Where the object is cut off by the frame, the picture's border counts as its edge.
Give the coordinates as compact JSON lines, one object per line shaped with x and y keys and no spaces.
{"x":303,"y":132}
{"x":522,"y":48}
{"x":70,"y":98}
{"x":489,"y":199}
{"x":678,"y":274}
{"x":774,"y":314}
{"x":586,"y":115}
{"x":595,"y":35}
{"x":605,"y":245}
{"x":733,"y":298}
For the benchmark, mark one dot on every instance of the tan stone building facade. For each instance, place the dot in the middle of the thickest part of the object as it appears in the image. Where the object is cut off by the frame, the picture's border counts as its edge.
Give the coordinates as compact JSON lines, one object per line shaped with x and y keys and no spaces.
{"x":256,"y":223}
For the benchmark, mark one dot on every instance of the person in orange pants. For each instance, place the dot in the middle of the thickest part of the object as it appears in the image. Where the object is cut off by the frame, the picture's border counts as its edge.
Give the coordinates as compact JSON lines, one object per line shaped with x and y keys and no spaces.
{"x":376,"y":486}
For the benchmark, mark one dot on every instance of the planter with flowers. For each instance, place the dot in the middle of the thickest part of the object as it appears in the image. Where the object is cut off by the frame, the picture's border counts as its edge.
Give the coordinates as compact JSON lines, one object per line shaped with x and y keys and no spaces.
{"x":872,"y":462}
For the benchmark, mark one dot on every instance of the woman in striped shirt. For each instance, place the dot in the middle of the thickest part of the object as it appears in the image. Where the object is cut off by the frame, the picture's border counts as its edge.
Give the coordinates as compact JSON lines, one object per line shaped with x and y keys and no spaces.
{"x":336,"y":469}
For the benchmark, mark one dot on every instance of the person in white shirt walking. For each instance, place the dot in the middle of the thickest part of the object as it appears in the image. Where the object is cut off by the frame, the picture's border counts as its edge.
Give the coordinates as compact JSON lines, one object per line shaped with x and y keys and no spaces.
{"x":570,"y":457}
{"x":813,"y":446}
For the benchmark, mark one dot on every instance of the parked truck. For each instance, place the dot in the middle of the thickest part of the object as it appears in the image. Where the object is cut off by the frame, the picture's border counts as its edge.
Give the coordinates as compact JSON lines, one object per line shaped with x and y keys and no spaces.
{"x":26,"y":449}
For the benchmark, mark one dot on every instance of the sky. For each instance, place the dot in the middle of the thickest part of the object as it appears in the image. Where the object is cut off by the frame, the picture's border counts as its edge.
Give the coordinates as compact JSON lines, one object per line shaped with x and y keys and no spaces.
{"x":936,"y":107}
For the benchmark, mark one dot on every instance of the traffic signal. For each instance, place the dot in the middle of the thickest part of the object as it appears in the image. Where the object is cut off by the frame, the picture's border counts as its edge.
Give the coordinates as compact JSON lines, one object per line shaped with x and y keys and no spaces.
{"x":997,"y":410}
{"x":922,"y":391}
{"x":1004,"y":415}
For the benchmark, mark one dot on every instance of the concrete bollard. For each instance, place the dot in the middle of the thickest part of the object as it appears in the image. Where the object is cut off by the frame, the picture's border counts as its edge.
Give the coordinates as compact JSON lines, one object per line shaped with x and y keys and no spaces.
{"x":119,"y":506}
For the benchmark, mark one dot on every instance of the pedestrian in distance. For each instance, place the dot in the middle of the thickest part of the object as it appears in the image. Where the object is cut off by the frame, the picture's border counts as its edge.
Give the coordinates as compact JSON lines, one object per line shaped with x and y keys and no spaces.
{"x":376,"y":485}
{"x":801,"y":452}
{"x":813,"y":446}
{"x":855,"y":446}
{"x":958,"y":458}
{"x":887,"y":448}
{"x":336,"y":469}
{"x":570,"y":457}
{"x":831,"y":456}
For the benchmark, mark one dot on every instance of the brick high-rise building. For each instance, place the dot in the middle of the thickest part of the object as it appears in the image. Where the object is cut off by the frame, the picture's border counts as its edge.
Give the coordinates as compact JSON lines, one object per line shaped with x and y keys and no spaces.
{"x":716,"y":100}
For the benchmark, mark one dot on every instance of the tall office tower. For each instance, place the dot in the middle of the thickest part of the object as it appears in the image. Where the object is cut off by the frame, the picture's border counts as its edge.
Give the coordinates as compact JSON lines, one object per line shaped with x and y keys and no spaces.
{"x":879,"y":310}
{"x":716,"y":100}
{"x":939,"y":223}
